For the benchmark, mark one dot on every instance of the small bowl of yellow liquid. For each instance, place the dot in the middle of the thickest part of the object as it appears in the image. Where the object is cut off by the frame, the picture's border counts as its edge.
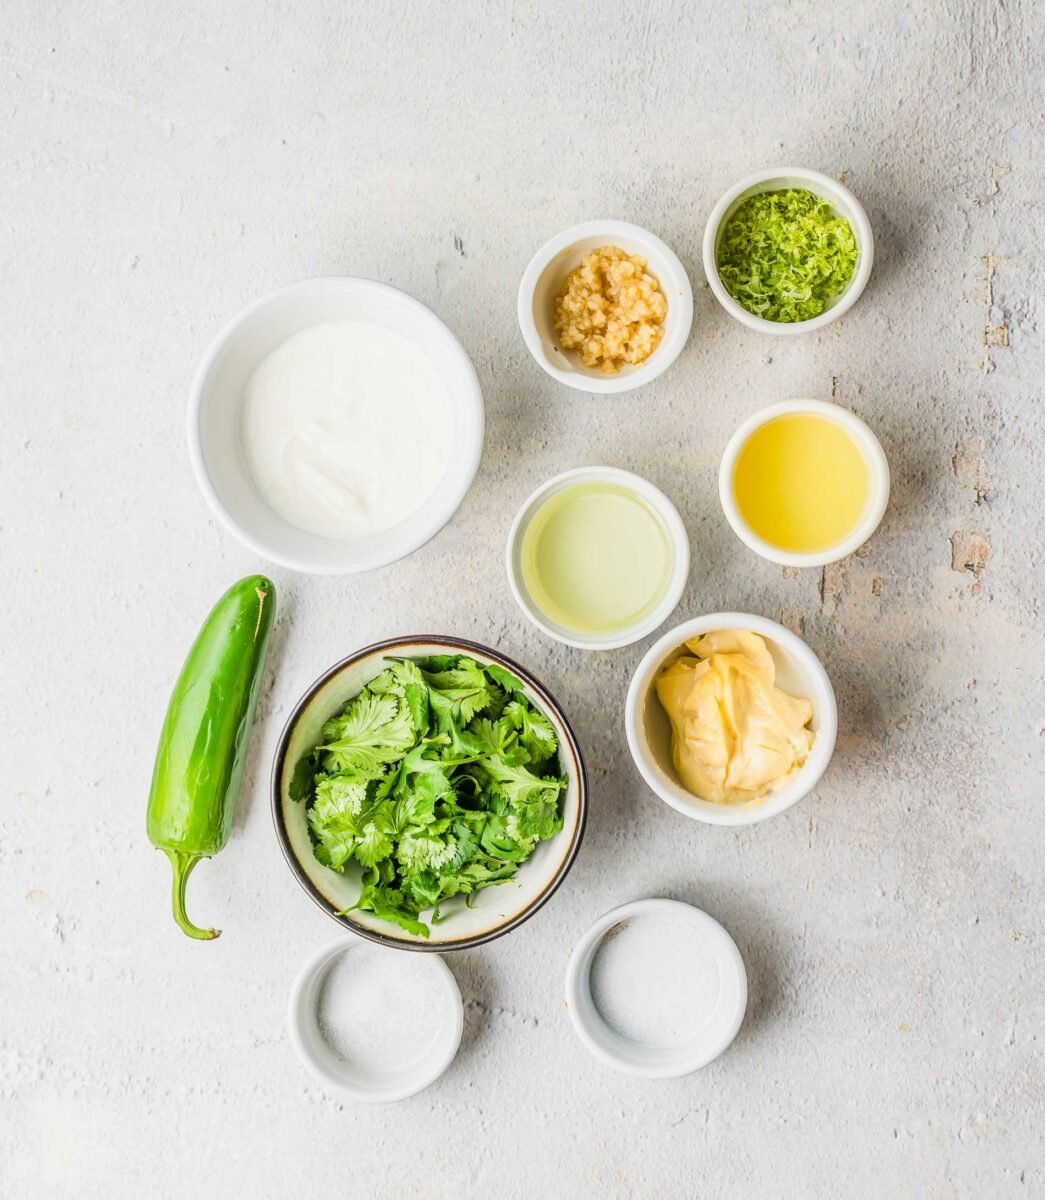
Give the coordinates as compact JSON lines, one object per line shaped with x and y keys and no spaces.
{"x":804,"y":483}
{"x":598,"y":558}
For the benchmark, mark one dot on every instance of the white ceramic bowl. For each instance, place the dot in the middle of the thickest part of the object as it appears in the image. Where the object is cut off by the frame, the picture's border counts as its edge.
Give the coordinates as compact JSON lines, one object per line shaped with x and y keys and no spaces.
{"x":877,"y":467}
{"x":777,"y":179}
{"x":495,"y":910}
{"x":544,"y":276}
{"x":216,"y":407}
{"x":798,"y":672}
{"x":673,"y":527}
{"x":356,"y":1081}
{"x":712,"y":1031}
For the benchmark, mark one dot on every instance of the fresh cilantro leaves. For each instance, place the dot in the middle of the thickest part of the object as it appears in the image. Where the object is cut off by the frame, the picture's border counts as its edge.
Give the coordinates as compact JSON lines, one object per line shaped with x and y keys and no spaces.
{"x":438,"y":779}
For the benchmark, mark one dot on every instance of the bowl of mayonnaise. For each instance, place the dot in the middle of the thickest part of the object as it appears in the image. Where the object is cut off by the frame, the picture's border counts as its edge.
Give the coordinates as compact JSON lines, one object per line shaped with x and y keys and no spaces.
{"x":731,"y":718}
{"x":335,"y":425}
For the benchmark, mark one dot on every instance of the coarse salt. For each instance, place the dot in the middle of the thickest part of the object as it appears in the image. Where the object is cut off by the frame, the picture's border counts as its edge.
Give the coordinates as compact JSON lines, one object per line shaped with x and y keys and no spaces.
{"x":376,"y":1009}
{"x":655,"y":980}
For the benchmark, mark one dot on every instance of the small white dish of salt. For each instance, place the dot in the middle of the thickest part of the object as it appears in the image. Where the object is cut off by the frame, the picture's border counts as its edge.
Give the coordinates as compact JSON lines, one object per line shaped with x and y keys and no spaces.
{"x":656,"y":988}
{"x":373,"y":1023}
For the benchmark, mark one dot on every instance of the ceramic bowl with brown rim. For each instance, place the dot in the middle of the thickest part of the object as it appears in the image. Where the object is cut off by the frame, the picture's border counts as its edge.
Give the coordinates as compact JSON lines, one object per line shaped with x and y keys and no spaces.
{"x":495,"y":910}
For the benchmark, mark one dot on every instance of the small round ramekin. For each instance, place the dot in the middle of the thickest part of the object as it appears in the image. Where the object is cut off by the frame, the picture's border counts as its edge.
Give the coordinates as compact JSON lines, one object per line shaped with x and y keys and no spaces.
{"x":545,"y":275}
{"x":798,"y":672}
{"x":353,"y":1081}
{"x":669,"y":518}
{"x":874,"y":456}
{"x":712,"y":1031}
{"x":778,"y":179}
{"x":215,"y":415}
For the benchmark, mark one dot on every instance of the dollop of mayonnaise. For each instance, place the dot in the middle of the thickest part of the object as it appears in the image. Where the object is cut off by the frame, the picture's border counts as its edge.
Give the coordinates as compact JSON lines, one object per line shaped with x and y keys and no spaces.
{"x":735,"y":735}
{"x":347,"y":428}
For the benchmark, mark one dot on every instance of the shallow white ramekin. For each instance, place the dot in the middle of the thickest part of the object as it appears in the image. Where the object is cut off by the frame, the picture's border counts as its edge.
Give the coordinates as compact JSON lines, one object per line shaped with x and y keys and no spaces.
{"x":712,"y":1030}
{"x":216,"y":409}
{"x":348,"y":1079}
{"x":798,"y":672}
{"x":777,"y":179}
{"x":874,"y":456}
{"x":673,"y":527}
{"x":544,"y":276}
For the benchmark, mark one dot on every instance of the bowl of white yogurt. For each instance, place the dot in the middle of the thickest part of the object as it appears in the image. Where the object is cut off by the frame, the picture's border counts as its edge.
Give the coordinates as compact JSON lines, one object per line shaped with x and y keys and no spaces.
{"x":335,"y":425}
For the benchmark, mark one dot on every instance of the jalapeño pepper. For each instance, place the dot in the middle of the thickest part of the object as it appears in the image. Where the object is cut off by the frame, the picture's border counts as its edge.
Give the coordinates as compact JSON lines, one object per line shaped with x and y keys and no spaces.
{"x":199,"y":764}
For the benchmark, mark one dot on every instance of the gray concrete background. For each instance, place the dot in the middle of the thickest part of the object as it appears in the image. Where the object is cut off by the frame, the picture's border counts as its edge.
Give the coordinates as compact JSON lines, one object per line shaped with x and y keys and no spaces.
{"x":163,"y":166}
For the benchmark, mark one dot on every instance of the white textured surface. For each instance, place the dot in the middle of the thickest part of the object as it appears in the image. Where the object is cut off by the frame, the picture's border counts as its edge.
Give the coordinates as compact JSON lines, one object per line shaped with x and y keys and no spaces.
{"x":165,"y":164}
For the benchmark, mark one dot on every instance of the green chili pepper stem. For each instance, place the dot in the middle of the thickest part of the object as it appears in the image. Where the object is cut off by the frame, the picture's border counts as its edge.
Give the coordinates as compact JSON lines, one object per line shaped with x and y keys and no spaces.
{"x":182,"y":864}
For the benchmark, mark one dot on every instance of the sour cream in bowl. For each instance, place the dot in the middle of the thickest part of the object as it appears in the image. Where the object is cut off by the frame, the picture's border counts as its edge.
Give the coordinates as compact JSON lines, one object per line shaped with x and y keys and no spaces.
{"x":336,"y":425}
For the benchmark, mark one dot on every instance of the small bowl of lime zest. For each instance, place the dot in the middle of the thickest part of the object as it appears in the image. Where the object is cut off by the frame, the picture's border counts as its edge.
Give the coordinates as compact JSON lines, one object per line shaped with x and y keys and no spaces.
{"x":786,"y":242}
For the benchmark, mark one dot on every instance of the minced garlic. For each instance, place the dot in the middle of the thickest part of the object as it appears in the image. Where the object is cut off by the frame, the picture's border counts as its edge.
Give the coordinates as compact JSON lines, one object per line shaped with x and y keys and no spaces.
{"x":610,"y":310}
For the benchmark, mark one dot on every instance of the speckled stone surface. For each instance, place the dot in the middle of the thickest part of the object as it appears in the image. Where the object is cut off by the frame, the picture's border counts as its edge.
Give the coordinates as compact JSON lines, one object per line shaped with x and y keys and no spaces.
{"x":163,"y":165}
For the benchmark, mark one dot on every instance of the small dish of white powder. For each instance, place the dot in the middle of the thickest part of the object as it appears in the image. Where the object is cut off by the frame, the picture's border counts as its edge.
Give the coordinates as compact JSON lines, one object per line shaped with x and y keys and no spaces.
{"x":375,"y":1023}
{"x":656,"y":988}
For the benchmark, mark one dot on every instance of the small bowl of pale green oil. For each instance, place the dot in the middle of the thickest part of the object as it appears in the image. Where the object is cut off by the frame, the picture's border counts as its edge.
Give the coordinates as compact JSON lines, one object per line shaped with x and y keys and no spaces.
{"x":598,"y":558}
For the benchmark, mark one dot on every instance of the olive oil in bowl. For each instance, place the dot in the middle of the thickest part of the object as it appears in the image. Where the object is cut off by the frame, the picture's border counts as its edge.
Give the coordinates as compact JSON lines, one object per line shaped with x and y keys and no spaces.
{"x":801,"y":483}
{"x":804,"y":483}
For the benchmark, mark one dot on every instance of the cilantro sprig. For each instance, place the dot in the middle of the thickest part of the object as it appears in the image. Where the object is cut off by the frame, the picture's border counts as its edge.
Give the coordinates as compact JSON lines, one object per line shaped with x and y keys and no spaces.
{"x":439,"y":779}
{"x":786,"y":255}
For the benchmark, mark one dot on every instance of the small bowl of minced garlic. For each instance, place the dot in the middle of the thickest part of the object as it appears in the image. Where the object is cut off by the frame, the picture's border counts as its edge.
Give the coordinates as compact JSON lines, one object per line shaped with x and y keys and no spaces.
{"x":605,"y":306}
{"x":731,"y":719}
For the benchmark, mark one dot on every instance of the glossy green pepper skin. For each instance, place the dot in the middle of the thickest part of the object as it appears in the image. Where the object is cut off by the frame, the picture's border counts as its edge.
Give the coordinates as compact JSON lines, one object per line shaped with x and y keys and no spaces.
{"x":199,"y":764}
